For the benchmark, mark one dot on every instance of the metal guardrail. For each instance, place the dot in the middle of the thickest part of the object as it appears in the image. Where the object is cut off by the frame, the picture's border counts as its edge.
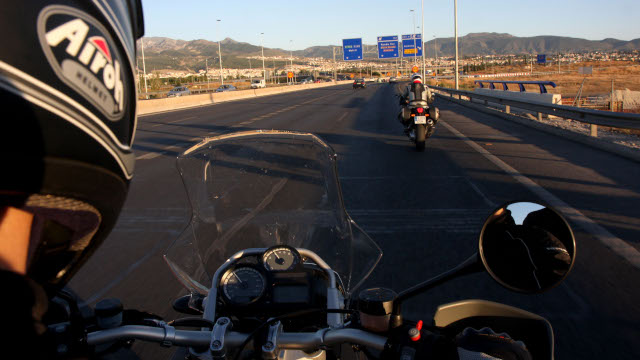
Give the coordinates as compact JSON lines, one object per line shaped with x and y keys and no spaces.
{"x":589,"y":116}
{"x":521,"y":84}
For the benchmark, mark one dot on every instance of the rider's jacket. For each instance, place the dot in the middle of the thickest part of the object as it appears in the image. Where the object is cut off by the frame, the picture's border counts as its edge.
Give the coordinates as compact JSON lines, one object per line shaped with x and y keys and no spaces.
{"x":417,"y":93}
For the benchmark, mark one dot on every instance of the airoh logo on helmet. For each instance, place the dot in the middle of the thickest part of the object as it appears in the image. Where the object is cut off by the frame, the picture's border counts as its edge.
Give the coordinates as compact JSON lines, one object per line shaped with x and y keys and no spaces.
{"x":79,"y":50}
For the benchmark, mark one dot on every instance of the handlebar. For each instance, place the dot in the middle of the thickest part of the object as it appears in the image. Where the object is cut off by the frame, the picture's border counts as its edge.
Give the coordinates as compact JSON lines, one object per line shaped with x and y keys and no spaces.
{"x":295,"y":341}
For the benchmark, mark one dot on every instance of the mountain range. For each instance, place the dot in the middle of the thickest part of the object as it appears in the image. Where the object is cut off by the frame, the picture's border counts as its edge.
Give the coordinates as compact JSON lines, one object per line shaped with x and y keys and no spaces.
{"x":166,"y":53}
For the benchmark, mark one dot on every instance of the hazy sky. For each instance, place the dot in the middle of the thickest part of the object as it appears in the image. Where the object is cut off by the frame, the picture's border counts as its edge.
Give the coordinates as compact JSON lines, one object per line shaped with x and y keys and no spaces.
{"x":326,"y":22}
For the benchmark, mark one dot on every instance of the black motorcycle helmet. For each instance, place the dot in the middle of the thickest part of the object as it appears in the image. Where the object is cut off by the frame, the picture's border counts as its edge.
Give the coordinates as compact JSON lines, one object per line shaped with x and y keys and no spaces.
{"x":68,"y":96}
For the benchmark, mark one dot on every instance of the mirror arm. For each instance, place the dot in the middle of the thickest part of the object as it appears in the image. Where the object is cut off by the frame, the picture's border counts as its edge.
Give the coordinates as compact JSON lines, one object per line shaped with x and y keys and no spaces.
{"x":470,"y":266}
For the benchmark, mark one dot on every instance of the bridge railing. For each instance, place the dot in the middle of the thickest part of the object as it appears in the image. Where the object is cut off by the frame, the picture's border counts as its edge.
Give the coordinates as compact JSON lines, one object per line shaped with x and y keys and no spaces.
{"x":588,"y":116}
{"x":505,"y":84}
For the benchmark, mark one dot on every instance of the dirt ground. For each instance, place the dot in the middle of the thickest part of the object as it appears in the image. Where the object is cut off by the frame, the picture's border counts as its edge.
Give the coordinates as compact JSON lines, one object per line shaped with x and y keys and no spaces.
{"x":625,"y":75}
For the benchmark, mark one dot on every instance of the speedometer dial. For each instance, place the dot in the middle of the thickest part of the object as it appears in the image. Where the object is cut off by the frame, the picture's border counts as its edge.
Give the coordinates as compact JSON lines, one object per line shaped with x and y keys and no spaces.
{"x":243,"y":285}
{"x":280,"y":258}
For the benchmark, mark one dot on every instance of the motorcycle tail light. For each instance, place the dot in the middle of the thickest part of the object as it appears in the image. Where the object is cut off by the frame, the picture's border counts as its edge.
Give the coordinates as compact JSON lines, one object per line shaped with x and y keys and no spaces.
{"x":420,"y":110}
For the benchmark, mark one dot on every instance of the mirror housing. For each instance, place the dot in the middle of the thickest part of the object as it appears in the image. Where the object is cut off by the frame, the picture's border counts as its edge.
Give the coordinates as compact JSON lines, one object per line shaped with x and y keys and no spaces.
{"x":527,"y":247}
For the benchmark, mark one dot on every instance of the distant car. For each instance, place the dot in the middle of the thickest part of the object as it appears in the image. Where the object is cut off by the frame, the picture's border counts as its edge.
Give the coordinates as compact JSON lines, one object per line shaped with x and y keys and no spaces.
{"x":359,"y":83}
{"x":258,"y":84}
{"x":178,"y":91}
{"x":225,"y":88}
{"x":393,"y":80}
{"x":306,"y":81}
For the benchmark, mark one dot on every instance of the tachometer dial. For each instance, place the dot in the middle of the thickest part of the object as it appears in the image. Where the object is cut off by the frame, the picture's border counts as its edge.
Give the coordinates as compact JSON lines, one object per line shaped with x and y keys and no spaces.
{"x":280,"y":258}
{"x":243,"y":285}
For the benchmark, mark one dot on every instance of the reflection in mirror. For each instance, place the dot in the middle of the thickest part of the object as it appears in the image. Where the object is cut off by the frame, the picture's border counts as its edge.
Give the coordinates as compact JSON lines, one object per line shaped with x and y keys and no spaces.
{"x":527,"y":247}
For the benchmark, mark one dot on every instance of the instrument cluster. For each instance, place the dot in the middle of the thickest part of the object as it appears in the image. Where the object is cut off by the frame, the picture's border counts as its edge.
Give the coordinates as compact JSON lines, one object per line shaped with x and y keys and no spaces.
{"x":277,"y":280}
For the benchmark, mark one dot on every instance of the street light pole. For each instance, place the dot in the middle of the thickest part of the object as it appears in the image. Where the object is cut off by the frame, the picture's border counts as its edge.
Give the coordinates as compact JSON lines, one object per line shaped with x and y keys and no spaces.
{"x":334,"y":63}
{"x":422,"y":42}
{"x":435,"y":51}
{"x":144,"y":71}
{"x":264,"y":72}
{"x":413,"y":35}
{"x":220,"y":53}
{"x":291,"y":57}
{"x":455,"y":24}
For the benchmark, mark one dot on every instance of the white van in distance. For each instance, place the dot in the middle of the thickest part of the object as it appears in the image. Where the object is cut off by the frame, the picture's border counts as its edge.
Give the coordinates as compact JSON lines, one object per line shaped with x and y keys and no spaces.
{"x":258,"y":83}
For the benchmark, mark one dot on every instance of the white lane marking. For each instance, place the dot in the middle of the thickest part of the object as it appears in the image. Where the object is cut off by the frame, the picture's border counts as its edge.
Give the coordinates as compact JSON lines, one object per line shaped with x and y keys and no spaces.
{"x":95,"y":297}
{"x":343,"y":116}
{"x":394,"y":221}
{"x":148,"y":156}
{"x":484,"y":197}
{"x":611,"y":241}
{"x":153,"y":155}
{"x":174,"y":121}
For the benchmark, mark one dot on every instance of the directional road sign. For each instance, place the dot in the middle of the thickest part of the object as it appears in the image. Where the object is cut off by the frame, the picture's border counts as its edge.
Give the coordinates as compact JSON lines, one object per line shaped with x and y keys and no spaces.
{"x":412,"y":45}
{"x":387,"y":47}
{"x":352,"y":49}
{"x":542,"y":59}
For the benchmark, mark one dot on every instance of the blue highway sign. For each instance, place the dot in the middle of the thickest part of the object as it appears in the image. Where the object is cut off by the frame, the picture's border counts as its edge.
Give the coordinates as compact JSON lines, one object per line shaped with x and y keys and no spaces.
{"x":542,"y":59}
{"x":352,"y":49}
{"x":412,"y":45}
{"x":388,"y":47}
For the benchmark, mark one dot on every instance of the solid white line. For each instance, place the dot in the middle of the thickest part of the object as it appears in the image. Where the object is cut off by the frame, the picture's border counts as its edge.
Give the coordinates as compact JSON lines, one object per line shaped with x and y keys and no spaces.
{"x":611,"y":241}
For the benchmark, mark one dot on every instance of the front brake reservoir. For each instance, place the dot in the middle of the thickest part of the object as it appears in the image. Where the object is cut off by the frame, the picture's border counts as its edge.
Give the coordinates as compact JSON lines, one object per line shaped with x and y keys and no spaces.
{"x":375,"y":306}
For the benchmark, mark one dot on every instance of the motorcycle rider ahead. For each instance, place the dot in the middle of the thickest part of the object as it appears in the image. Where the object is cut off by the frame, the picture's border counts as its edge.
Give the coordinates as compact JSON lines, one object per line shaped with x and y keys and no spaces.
{"x":415,"y":93}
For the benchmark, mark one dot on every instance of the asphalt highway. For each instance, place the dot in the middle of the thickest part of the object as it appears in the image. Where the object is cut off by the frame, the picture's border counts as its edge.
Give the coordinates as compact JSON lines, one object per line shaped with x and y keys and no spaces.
{"x":425,"y":210}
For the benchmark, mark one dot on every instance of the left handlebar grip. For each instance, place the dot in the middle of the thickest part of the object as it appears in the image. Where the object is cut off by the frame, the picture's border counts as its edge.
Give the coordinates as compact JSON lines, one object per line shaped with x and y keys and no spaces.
{"x":152,"y":334}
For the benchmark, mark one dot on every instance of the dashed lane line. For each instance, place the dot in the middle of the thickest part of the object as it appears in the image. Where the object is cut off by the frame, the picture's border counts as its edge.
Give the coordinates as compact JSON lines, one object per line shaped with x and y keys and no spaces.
{"x":174,"y":121}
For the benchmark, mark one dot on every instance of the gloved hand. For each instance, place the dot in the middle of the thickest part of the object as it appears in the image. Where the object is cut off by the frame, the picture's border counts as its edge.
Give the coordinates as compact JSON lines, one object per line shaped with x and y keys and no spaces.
{"x":412,"y":342}
{"x":486,"y":344}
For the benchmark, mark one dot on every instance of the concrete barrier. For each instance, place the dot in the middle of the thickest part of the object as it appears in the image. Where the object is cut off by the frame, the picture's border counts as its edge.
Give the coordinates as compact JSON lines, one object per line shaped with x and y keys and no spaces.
{"x":183,"y":102}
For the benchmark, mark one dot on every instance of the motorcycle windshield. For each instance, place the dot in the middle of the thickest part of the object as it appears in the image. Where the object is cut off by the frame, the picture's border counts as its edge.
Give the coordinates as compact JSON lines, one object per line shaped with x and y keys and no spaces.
{"x":264,"y":188}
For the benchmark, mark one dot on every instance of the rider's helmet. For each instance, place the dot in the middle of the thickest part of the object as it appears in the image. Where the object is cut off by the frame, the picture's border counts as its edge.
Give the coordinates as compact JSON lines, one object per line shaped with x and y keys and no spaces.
{"x":67,"y":89}
{"x":416,"y":78}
